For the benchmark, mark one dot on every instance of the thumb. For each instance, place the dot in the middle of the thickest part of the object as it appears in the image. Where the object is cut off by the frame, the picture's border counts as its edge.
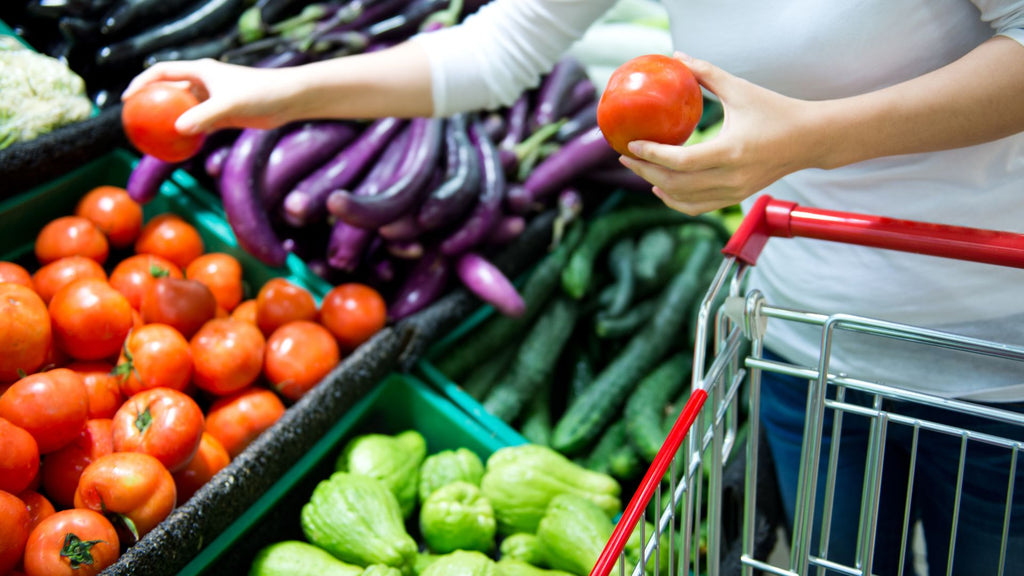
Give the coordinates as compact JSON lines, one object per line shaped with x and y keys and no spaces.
{"x":198,"y":119}
{"x":711,"y":77}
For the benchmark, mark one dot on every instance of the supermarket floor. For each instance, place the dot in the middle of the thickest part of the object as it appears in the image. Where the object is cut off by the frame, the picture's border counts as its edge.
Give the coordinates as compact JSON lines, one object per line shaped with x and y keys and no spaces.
{"x":780,"y":554}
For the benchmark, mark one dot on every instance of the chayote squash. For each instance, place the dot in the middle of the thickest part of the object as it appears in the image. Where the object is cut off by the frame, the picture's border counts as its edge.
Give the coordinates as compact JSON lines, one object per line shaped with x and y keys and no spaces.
{"x":379,"y":570}
{"x":521,"y":480}
{"x":522,"y":546}
{"x":357,"y":519}
{"x":394,"y":460}
{"x":457,"y":517}
{"x":296,"y":558}
{"x":448,"y":466}
{"x":572,"y":534}
{"x":461,"y":563}
{"x":422,"y":562}
{"x":512,"y":567}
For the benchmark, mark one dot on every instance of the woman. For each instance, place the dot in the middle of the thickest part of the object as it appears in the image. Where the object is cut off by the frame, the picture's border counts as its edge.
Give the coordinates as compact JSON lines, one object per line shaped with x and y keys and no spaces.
{"x":904,"y":108}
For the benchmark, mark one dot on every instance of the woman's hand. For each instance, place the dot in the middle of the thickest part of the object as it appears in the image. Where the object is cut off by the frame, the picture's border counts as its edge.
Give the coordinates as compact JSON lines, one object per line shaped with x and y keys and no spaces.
{"x":761,"y":140}
{"x":230,"y":95}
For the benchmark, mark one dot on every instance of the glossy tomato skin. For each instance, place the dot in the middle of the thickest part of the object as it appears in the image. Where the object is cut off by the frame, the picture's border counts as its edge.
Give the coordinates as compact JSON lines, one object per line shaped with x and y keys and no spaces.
{"x":245,"y":311}
{"x":90,"y":319}
{"x":72,"y":543}
{"x":180,"y":303}
{"x":63,"y":468}
{"x":16,"y":273}
{"x":133,"y":276}
{"x":148,"y":118}
{"x":154,"y":356}
{"x":71,"y":236}
{"x":114,"y":212}
{"x":172,"y":237}
{"x":280,"y":301}
{"x":39,"y":507}
{"x":210,"y":458}
{"x":237,"y":419}
{"x":133,"y":484}
{"x":222,"y":274}
{"x":353,"y":312}
{"x":19,"y":457}
{"x":164,"y":423}
{"x":14,"y":527}
{"x":651,"y":97}
{"x":227,"y":355}
{"x":101,"y":385}
{"x":25,"y":331}
{"x":298,"y":356}
{"x":49,"y":279}
{"x":52,"y":406}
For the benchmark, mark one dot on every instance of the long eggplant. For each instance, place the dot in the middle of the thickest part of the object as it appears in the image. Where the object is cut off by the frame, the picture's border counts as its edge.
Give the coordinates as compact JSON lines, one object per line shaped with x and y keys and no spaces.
{"x":518,"y":117}
{"x":304,"y":147}
{"x":476,"y":227}
{"x":241,"y":199}
{"x":204,"y":18}
{"x":574,"y":159}
{"x":583,"y":120}
{"x":481,"y":277}
{"x":147,"y":176}
{"x":407,"y":22}
{"x":212,"y":47}
{"x":307,"y":201}
{"x":427,"y":281}
{"x":554,"y":90}
{"x":128,"y":15}
{"x":373,"y":211}
{"x":449,"y":201}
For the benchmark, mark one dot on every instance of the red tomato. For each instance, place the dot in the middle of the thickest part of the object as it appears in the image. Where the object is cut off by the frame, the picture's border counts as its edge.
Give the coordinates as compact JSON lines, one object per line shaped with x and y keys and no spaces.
{"x":298,"y":356}
{"x":72,"y":543}
{"x":222,"y":274}
{"x":62,"y":468}
{"x":237,"y":419}
{"x":90,"y":319}
{"x":114,"y":212}
{"x":245,"y":311}
{"x":102,"y":386}
{"x":52,"y":406}
{"x":228,"y":355}
{"x":14,"y":272}
{"x":164,"y":423}
{"x":19,"y":457}
{"x":71,"y":236}
{"x":148,"y":118}
{"x":170,"y":236}
{"x":63,"y":271}
{"x":651,"y":97}
{"x":39,"y":507}
{"x":280,"y":301}
{"x":353,"y":312}
{"x":209,"y":459}
{"x":14,"y":523}
{"x":154,"y":356}
{"x":133,"y":485}
{"x":25,"y":331}
{"x":183,"y":304}
{"x":135,"y":274}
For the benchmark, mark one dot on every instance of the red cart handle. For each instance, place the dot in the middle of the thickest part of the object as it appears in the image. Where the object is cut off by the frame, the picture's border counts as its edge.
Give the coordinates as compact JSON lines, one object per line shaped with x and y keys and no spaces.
{"x":770,"y":217}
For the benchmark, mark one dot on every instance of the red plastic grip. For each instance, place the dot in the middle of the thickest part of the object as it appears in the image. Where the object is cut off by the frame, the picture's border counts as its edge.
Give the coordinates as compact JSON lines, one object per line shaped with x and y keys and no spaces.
{"x":769,"y":217}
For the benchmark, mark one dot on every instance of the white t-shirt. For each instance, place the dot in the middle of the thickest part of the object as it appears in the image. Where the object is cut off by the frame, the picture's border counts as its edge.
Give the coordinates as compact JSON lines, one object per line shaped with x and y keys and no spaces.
{"x":817,"y":50}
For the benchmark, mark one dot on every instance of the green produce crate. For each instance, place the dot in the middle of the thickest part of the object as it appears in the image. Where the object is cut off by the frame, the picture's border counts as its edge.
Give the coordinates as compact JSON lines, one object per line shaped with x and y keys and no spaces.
{"x":400,"y":402}
{"x":22,"y":216}
{"x":6,"y":30}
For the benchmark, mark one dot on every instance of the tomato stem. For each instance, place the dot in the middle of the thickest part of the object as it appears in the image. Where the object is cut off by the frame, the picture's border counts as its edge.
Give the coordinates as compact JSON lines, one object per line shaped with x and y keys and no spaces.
{"x":143,"y":420}
{"x":78,"y":551}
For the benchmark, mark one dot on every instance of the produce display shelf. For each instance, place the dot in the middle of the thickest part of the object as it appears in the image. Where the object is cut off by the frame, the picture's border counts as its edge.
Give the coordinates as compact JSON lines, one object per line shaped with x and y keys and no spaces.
{"x":400,"y":402}
{"x":22,"y":216}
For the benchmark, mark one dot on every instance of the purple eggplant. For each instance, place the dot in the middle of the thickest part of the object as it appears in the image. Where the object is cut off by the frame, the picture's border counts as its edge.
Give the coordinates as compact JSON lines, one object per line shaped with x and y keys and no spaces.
{"x":147,"y":176}
{"x":507,"y":229}
{"x":574,"y":159}
{"x":404,"y":228}
{"x":447,"y":202}
{"x":481,"y":277}
{"x":552,"y":96}
{"x":307,"y":201}
{"x":407,"y":22}
{"x":405,"y":249}
{"x":515,"y":130}
{"x":240,"y":197}
{"x":423,"y":285}
{"x":214,"y":162}
{"x":485,"y":214}
{"x":303,"y":147}
{"x":584,"y":119}
{"x":373,"y":211}
{"x":618,"y":177}
{"x":582,"y":94}
{"x":494,"y":125}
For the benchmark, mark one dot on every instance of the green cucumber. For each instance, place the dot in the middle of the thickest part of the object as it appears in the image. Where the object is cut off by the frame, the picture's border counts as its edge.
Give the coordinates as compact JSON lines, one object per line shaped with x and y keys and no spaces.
{"x":498,"y":331}
{"x":654,"y":250}
{"x":536,"y":424}
{"x":601,"y":454}
{"x":483,"y":378}
{"x":620,"y":263}
{"x":535,"y":361}
{"x":591,"y":412}
{"x":645,"y":410}
{"x":606,"y":326}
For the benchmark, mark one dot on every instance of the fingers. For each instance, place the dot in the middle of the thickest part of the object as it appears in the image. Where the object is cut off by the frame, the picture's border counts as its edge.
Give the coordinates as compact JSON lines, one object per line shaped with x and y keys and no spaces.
{"x":187,"y":71}
{"x":708,"y":75}
{"x":696,"y":157}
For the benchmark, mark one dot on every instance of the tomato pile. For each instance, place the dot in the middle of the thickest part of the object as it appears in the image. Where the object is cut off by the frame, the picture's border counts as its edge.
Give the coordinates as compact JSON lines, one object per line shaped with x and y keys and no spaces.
{"x":134,"y":365}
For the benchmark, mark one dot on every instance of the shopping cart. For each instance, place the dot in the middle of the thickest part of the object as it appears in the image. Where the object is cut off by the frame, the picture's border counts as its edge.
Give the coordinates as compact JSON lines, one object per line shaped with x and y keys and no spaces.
{"x":672,"y":497}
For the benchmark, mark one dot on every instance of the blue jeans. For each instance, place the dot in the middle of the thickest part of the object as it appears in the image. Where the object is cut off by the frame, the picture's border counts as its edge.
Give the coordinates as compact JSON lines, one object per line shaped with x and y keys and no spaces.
{"x":985,"y":483}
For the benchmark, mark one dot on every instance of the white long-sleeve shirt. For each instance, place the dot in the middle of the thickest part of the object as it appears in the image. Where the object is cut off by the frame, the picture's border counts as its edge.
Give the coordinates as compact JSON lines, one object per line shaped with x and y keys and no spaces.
{"x":819,"y":50}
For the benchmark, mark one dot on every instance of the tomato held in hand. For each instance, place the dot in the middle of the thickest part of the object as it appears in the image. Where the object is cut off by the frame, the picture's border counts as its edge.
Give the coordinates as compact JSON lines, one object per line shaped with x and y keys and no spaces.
{"x":132,"y":486}
{"x":237,"y":419}
{"x":72,"y":543}
{"x":651,"y":97}
{"x":148,"y":117}
{"x":353,"y":312}
{"x":161,"y":422}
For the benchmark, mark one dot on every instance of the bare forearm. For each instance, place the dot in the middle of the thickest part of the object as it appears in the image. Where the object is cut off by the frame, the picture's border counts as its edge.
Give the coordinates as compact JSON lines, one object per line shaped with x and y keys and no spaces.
{"x":975,"y":99}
